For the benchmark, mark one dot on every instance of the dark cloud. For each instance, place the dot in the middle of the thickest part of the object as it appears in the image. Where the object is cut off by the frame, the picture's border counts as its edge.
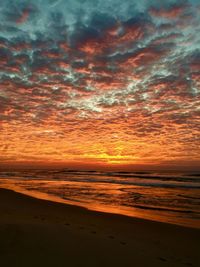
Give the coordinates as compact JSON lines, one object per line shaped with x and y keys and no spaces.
{"x":102,"y":22}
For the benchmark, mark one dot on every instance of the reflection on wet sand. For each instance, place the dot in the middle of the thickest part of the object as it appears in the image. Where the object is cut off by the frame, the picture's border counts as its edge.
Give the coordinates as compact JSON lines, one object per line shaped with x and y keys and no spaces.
{"x":131,"y":196}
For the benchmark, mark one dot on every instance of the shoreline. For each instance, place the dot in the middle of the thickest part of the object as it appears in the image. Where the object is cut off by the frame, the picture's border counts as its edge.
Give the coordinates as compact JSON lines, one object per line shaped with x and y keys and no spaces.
{"x":35,"y":232}
{"x":56,"y":199}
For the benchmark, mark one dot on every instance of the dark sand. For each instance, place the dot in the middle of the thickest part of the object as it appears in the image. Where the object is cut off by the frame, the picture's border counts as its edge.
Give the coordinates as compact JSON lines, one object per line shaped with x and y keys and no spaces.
{"x":38,"y":233}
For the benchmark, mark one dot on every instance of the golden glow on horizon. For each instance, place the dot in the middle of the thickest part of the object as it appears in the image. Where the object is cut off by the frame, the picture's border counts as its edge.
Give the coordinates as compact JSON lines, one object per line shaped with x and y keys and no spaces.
{"x":48,"y":143}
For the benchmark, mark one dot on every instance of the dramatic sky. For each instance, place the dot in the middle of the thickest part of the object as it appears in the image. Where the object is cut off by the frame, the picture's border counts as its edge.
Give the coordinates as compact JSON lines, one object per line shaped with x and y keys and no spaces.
{"x":100,"y":81}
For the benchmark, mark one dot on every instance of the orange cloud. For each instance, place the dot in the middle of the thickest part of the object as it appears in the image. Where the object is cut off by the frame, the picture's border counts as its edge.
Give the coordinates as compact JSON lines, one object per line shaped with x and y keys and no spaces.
{"x":170,"y":12}
{"x":24,"y":16}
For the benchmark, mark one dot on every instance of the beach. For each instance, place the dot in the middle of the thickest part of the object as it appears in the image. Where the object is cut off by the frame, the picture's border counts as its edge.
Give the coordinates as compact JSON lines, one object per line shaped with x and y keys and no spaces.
{"x":36,"y":232}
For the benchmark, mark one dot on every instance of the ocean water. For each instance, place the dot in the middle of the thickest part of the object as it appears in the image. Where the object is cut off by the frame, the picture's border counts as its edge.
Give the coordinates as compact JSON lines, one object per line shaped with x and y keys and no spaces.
{"x":167,"y":197}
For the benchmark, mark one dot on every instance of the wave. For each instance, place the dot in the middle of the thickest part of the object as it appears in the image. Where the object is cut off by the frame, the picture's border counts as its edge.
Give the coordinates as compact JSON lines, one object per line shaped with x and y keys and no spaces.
{"x":164,"y":209}
{"x":148,"y":179}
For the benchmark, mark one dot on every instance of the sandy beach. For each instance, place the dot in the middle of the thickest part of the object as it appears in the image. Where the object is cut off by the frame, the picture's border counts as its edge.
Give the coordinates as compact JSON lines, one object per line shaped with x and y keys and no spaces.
{"x":36,"y":232}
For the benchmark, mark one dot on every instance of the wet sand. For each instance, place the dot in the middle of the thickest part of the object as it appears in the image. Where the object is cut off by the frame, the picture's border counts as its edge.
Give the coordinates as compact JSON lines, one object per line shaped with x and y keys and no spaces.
{"x":36,"y":232}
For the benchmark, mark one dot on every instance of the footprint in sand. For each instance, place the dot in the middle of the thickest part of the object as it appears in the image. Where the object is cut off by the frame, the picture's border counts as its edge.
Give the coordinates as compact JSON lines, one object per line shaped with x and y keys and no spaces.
{"x":188,"y":264}
{"x":93,"y":232}
{"x":162,"y":259}
{"x":111,"y":237}
{"x":67,"y":224}
{"x":122,"y":243}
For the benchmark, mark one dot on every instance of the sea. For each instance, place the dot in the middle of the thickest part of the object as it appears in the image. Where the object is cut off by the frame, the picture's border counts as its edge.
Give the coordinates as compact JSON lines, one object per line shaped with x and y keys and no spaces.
{"x":166,"y":197}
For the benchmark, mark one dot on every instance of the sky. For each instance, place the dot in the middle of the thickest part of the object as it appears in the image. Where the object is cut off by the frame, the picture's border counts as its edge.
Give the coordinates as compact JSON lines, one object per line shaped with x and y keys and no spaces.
{"x":114,"y":83}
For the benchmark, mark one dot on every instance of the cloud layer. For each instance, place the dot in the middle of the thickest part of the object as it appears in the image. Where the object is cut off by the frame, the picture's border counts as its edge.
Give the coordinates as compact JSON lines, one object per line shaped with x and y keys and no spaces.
{"x":107,"y":81}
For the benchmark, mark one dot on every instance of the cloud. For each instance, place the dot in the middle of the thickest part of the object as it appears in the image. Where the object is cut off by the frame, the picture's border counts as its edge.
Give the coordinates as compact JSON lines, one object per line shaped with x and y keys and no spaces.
{"x":170,"y":12}
{"x":84,"y":73}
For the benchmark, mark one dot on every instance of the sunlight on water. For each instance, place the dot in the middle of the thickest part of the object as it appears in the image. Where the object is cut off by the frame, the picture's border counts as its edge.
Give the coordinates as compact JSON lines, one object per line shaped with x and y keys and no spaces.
{"x":172,"y":198}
